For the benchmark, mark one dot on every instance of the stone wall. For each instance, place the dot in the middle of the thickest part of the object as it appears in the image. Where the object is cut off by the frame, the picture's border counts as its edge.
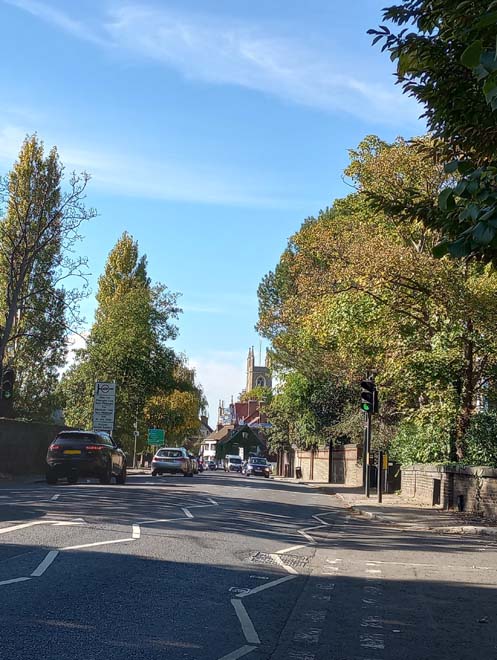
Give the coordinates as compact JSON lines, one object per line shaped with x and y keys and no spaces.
{"x":23,"y":446}
{"x":346,"y":465}
{"x":472,"y":489}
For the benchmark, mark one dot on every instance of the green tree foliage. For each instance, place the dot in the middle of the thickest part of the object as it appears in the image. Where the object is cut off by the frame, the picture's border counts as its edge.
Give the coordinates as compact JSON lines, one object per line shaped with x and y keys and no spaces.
{"x":357,"y":290}
{"x":446,"y":59}
{"x":37,"y":233}
{"x":127,"y":344}
{"x":257,"y":394}
{"x":305,"y":411}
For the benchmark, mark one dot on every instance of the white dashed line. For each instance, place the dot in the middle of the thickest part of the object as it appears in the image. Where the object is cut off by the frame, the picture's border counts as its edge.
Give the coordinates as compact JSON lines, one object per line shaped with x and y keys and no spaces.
{"x":187,"y":512}
{"x":239,"y":653}
{"x":42,"y":567}
{"x":269,"y":585}
{"x":19,"y":579}
{"x":55,"y":497}
{"x":136,"y":532}
{"x":293,"y":547}
{"x":247,"y":626}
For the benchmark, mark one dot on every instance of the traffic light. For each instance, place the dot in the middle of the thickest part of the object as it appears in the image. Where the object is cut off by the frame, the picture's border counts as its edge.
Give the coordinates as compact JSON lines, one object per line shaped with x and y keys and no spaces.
{"x":7,"y":383}
{"x":369,"y":397}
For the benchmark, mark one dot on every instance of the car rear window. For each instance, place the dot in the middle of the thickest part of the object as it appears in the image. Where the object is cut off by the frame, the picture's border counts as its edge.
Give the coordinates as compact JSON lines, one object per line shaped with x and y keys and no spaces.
{"x":235,"y":461}
{"x":81,"y":437}
{"x":170,"y":453}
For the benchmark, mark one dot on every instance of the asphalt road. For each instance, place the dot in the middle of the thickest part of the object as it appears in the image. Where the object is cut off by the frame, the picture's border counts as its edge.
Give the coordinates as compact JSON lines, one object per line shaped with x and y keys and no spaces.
{"x":224,"y":567}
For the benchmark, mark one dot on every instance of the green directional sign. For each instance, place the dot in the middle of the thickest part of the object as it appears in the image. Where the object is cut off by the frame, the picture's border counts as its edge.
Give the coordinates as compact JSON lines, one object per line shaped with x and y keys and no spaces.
{"x":155,"y":436}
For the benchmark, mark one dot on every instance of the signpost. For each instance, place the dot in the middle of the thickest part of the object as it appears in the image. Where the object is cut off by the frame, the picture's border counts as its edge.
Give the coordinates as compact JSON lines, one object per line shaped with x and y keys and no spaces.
{"x":155,"y":436}
{"x":104,"y":404}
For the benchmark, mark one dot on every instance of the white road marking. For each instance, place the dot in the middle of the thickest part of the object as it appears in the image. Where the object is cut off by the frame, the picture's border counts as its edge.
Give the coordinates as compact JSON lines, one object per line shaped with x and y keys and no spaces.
{"x":280,"y":562}
{"x":187,"y":512}
{"x":157,"y":520}
{"x":136,"y":532}
{"x":239,"y":653}
{"x":373,"y":571}
{"x":247,"y":626}
{"x":55,"y":497}
{"x":92,"y":545}
{"x":42,"y":567}
{"x":307,"y":536}
{"x":213,"y":501}
{"x":21,"y":579}
{"x":13,"y":528}
{"x":269,"y":585}
{"x":293,"y":547}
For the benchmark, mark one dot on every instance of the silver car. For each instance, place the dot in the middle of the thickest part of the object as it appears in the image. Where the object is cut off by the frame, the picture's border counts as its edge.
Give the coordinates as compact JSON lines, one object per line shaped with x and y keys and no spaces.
{"x":172,"y":460}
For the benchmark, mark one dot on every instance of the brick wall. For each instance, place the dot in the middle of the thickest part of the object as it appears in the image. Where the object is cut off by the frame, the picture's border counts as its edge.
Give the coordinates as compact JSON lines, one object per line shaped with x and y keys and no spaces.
{"x":473,"y":489}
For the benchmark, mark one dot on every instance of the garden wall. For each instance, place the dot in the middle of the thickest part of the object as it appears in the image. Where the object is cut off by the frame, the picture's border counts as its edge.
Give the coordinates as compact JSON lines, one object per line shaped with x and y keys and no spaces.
{"x":23,"y":446}
{"x":472,"y":489}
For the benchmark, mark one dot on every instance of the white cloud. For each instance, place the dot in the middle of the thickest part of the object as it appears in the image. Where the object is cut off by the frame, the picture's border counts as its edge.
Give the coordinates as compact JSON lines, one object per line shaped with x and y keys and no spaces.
{"x":58,"y":18}
{"x":227,"y":52}
{"x":164,"y":180}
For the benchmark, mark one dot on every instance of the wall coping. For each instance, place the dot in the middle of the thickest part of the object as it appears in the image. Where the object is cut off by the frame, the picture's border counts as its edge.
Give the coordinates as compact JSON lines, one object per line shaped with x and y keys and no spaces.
{"x":469,"y":470}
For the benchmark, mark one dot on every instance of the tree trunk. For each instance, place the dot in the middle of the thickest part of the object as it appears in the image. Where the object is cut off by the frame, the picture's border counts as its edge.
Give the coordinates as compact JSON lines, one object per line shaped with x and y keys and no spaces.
{"x":467,"y":395}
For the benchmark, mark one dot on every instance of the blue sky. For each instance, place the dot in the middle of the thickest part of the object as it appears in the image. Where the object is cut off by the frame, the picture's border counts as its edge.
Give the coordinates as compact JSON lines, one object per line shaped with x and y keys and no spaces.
{"x":211,"y":129}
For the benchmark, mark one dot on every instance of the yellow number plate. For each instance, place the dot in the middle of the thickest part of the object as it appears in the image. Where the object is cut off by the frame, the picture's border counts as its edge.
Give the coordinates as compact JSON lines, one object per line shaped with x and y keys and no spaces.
{"x":72,"y":451}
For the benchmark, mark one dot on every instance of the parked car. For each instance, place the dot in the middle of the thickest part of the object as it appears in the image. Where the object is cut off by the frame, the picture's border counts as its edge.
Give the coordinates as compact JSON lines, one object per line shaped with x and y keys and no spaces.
{"x":256,"y":466}
{"x":212,"y":465}
{"x":75,"y":454}
{"x":194,"y":461}
{"x":172,"y":460}
{"x":232,"y":463}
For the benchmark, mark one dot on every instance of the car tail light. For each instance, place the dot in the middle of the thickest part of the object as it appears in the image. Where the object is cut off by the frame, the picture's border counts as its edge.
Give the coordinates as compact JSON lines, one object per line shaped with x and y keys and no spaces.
{"x":94,"y":447}
{"x":55,"y":447}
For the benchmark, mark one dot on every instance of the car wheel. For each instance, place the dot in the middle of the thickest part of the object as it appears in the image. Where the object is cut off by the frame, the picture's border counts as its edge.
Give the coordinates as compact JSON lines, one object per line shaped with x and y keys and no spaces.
{"x":121,"y":479}
{"x":106,"y":477}
{"x":267,"y":476}
{"x":154,"y":473}
{"x":72,"y":479}
{"x":51,"y":479}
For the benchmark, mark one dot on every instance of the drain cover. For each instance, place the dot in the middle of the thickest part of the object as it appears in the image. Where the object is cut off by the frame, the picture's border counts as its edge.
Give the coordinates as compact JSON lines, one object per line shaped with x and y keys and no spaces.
{"x":296,"y":561}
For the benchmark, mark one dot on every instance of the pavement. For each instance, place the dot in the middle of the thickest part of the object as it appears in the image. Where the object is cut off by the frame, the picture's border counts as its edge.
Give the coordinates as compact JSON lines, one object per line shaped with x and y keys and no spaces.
{"x":221,"y":567}
{"x":404,"y":513}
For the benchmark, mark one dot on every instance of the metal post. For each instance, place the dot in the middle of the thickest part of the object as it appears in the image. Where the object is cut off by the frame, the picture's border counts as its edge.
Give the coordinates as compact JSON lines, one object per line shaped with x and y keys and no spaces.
{"x":368,"y":455}
{"x":380,"y":476}
{"x":330,"y":463}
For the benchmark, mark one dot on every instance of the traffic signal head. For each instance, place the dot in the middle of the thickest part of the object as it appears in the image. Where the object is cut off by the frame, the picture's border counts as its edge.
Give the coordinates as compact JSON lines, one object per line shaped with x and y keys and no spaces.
{"x":369,"y":397}
{"x":7,"y":383}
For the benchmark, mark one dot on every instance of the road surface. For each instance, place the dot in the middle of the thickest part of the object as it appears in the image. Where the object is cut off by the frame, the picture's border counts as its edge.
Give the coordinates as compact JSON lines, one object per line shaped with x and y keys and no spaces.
{"x":225,"y":567}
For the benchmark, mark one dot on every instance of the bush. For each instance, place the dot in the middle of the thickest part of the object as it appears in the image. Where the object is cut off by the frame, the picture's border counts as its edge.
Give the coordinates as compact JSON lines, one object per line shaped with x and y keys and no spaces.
{"x":481,"y":440}
{"x":416,"y":442}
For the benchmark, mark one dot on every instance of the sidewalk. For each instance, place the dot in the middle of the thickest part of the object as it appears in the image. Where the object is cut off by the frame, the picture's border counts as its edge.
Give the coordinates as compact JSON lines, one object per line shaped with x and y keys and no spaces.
{"x":398,"y":510}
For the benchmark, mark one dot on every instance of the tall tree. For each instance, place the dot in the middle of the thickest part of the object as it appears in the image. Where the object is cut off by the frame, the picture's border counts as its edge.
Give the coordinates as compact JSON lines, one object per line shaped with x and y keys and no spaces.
{"x":357,"y":290}
{"x":127,"y":343}
{"x":446,"y":59}
{"x":37,"y":233}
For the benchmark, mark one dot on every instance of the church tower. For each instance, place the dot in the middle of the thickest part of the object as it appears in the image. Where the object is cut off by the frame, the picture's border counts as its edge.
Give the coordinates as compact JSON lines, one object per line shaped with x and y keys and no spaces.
{"x":258,"y":376}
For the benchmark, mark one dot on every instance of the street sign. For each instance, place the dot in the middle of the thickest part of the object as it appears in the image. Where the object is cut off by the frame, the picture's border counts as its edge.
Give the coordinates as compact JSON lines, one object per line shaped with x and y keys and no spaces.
{"x":104,"y":404}
{"x":155,"y":436}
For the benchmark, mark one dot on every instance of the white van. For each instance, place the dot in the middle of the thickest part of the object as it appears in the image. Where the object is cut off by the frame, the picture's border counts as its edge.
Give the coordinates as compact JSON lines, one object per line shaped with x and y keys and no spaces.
{"x":232,"y":463}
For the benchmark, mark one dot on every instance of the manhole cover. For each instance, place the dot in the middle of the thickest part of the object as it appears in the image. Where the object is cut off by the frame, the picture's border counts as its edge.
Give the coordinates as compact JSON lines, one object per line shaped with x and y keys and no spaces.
{"x":296,"y":561}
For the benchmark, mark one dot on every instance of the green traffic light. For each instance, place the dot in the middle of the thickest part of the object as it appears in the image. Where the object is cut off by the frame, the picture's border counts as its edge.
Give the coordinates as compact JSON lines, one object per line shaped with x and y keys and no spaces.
{"x":366,"y":407}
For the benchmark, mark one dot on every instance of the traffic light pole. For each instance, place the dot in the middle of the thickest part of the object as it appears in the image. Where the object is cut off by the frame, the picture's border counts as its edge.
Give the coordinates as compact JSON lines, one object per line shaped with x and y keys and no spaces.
{"x":367,"y":455}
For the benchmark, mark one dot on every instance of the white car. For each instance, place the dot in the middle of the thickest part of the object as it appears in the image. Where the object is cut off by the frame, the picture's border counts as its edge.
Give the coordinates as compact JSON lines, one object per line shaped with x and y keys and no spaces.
{"x":172,"y":460}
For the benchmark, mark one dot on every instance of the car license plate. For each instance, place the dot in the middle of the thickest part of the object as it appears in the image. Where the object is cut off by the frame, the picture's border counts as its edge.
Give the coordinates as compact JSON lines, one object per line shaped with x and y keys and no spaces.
{"x":72,"y":451}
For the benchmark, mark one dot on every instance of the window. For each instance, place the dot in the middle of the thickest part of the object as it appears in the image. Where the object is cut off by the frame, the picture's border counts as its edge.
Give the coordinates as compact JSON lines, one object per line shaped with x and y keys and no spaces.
{"x":260,"y":382}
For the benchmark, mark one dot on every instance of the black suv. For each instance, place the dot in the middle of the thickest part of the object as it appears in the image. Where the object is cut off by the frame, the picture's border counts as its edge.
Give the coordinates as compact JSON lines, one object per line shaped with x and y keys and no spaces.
{"x":76,"y":454}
